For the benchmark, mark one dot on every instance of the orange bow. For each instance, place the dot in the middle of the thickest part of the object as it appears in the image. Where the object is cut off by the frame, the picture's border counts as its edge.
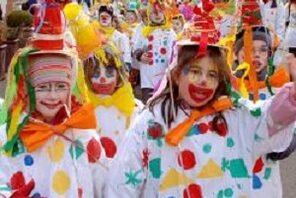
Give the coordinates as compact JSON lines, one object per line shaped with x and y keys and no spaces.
{"x":36,"y":134}
{"x":278,"y":79}
{"x":174,"y":136}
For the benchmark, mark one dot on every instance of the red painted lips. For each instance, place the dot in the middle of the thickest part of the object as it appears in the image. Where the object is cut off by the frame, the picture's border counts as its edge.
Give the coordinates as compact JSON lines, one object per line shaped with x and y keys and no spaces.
{"x":199,"y":94}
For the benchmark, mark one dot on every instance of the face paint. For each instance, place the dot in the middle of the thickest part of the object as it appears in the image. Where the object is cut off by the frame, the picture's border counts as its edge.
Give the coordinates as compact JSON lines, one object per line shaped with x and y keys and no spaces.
{"x":50,"y":98}
{"x":157,"y":17}
{"x":177,"y":25}
{"x":105,"y":19}
{"x":196,"y":74}
{"x":198,"y":82}
{"x":131,"y":17}
{"x":104,"y":80}
{"x":199,"y":94}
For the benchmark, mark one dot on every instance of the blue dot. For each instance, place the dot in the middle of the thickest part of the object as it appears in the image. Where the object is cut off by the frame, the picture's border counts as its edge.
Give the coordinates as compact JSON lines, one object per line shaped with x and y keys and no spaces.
{"x":36,"y":195}
{"x":156,"y":60}
{"x":162,"y":60}
{"x":28,"y":160}
{"x":262,"y":96}
{"x":257,"y":184}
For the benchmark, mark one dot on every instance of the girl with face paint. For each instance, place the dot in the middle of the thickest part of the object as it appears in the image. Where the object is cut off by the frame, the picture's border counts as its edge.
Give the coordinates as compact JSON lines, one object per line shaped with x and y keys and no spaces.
{"x":49,"y":145}
{"x":112,"y":95}
{"x":192,"y":140}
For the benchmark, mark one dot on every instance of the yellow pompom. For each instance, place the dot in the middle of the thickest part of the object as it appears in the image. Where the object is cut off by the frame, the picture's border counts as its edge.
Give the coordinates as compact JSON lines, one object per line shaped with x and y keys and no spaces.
{"x":72,"y":10}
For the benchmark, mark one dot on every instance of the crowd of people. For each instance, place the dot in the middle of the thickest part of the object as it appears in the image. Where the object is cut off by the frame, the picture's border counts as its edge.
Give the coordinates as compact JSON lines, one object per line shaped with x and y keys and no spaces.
{"x":150,"y":99}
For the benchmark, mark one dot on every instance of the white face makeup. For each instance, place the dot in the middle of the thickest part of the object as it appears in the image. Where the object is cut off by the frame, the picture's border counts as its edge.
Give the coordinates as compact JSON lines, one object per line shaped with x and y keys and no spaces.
{"x":104,"y":80}
{"x":105,"y":19}
{"x":157,"y":16}
{"x":50,"y":98}
{"x":198,"y":82}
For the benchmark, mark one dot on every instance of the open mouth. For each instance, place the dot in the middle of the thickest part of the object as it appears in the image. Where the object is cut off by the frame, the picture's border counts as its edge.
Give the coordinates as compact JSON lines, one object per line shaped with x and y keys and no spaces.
{"x":257,"y":64}
{"x":199,"y":94}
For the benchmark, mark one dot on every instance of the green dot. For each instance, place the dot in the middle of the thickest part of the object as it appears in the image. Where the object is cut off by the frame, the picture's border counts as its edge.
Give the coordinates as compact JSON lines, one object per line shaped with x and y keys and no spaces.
{"x":230,"y":142}
{"x":228,"y":192}
{"x":220,"y":194}
{"x":207,"y":148}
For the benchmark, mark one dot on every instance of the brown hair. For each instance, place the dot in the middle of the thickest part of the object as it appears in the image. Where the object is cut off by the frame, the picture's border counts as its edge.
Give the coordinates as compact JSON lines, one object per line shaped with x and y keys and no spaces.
{"x":92,"y":63}
{"x":186,"y":55}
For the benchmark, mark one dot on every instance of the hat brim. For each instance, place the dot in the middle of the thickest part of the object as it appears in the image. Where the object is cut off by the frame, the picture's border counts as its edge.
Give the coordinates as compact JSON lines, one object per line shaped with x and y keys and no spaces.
{"x":189,"y":42}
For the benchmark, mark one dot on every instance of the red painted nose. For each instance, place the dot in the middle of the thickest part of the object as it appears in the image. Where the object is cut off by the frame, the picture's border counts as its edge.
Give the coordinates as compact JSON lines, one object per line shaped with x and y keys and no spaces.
{"x":102,"y":80}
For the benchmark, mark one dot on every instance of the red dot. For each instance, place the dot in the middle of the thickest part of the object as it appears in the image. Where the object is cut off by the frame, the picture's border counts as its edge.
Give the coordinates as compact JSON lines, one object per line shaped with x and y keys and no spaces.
{"x":150,"y":38}
{"x":222,"y":129}
{"x":192,"y":191}
{"x":150,"y":54}
{"x":163,"y":51}
{"x":93,"y":150}
{"x":150,"y":47}
{"x":109,"y":146}
{"x":203,"y":127}
{"x":186,"y":159}
{"x":80,"y":192}
{"x":258,"y":166}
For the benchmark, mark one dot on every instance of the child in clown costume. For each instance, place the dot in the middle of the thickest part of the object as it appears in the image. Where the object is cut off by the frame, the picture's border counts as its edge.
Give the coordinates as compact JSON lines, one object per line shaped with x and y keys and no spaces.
{"x":112,"y":95}
{"x":49,"y":137}
{"x":120,"y":40}
{"x":152,"y":48}
{"x":107,"y":83}
{"x":259,"y":80}
{"x":191,"y":141}
{"x":178,"y":20}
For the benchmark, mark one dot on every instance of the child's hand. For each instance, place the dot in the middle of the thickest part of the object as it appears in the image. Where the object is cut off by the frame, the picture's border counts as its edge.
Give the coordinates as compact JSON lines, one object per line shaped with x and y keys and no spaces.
{"x":146,"y":58}
{"x":291,"y":62}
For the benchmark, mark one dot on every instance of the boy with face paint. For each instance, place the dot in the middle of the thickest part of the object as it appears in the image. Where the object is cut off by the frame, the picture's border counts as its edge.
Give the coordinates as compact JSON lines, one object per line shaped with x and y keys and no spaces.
{"x":152,"y":48}
{"x":268,"y":81}
{"x":191,"y":141}
{"x":119,"y":39}
{"x":49,"y":138}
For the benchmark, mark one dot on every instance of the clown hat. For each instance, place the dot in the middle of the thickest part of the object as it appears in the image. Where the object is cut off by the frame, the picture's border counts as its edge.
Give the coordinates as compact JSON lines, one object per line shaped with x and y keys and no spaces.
{"x":250,"y":14}
{"x":49,"y":25}
{"x":200,"y":31}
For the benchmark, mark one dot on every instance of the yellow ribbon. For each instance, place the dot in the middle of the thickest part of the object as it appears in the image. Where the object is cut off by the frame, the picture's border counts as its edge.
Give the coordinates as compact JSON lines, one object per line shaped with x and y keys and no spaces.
{"x":123,"y":99}
{"x":242,"y":86}
{"x":148,"y":29}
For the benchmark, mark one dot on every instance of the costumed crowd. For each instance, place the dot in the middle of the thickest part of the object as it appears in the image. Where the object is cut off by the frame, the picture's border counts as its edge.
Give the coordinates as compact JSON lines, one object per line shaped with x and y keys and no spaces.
{"x":157,"y":98}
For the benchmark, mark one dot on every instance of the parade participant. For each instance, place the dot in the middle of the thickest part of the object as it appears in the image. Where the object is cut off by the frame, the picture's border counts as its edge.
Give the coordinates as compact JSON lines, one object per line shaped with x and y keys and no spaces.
{"x":108,"y":87}
{"x":265,"y":83}
{"x":191,"y":141}
{"x":113,"y":35}
{"x":273,"y":14}
{"x":178,"y":20}
{"x":152,"y":48}
{"x":49,"y":137}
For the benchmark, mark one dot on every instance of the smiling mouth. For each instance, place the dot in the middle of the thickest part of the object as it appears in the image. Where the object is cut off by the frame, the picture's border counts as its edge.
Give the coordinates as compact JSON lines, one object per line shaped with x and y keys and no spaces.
{"x":199,"y":94}
{"x":51,"y":105}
